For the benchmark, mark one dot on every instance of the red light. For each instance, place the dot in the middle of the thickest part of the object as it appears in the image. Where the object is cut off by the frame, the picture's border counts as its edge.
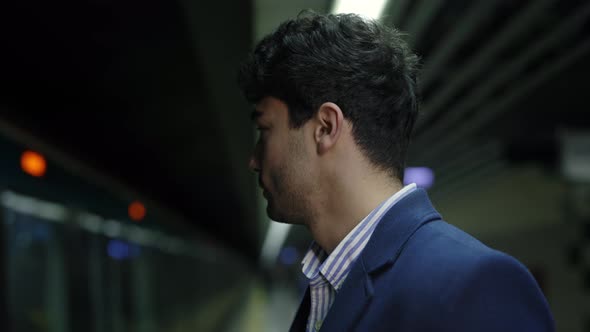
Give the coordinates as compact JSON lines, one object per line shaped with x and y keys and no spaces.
{"x":33,"y":163}
{"x":136,"y":211}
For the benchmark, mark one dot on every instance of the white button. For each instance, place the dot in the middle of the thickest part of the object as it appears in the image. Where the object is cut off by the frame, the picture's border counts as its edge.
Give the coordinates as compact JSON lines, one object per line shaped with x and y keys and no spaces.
{"x":318,"y":324}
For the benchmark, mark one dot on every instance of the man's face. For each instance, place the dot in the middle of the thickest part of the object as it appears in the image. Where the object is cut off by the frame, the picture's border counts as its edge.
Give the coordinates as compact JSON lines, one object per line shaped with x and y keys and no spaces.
{"x":281,"y":159}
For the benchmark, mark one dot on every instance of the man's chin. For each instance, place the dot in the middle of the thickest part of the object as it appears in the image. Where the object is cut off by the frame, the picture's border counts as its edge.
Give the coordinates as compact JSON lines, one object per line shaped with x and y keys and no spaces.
{"x":275,"y":216}
{"x":272,"y":214}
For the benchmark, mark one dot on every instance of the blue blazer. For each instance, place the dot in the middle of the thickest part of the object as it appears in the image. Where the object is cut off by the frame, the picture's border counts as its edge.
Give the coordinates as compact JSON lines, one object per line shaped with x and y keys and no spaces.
{"x":418,"y":273}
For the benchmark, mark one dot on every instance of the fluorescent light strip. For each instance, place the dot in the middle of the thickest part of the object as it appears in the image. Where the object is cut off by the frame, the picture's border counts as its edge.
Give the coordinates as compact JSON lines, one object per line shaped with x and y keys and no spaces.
{"x":372,"y":9}
{"x":55,"y":212}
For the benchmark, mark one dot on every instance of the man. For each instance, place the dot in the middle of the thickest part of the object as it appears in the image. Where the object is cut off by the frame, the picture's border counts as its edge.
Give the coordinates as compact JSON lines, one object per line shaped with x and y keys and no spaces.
{"x":335,"y":100}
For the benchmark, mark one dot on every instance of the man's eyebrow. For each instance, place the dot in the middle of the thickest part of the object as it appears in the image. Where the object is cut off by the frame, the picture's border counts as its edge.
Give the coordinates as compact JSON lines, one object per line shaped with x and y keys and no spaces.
{"x":255,"y":115}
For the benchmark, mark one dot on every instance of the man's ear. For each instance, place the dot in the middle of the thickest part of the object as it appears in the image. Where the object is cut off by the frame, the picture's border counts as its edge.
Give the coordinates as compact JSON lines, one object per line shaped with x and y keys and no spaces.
{"x":329,"y":126}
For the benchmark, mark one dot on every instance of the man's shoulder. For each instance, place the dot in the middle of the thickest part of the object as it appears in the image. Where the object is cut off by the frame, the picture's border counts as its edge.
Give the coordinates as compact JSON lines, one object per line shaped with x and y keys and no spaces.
{"x":443,"y":260}
{"x":439,"y":253}
{"x":446,"y":244}
{"x":444,"y":236}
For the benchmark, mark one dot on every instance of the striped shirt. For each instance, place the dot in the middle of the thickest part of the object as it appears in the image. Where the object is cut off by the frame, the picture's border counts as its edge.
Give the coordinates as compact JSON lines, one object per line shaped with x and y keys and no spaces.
{"x":326,"y":274}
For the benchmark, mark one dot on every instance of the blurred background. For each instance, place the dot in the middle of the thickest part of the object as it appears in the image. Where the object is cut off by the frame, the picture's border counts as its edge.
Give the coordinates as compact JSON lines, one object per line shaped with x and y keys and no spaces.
{"x":125,"y":199}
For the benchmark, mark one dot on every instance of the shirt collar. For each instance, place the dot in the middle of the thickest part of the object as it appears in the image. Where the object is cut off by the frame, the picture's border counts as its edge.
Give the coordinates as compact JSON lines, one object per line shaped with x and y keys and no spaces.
{"x":335,"y":267}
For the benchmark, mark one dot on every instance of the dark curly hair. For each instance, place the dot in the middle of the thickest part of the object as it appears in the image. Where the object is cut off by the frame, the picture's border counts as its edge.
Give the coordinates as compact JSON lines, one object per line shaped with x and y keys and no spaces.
{"x":364,"y":67}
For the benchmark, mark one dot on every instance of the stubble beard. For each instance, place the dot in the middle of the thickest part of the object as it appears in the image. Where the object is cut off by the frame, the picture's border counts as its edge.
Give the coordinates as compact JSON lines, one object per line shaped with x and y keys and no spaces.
{"x":290,"y":204}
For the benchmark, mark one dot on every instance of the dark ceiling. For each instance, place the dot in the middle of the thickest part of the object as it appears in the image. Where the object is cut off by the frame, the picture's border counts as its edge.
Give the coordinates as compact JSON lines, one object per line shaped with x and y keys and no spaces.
{"x":145,"y":91}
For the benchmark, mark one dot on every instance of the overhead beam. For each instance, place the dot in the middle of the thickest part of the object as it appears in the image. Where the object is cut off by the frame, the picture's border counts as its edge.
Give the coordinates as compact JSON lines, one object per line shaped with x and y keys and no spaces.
{"x":515,"y":28}
{"x":481,"y":174}
{"x":477,"y":15}
{"x":437,"y":148}
{"x":392,"y":14}
{"x":466,"y":155}
{"x":420,"y":18}
{"x":507,"y":74}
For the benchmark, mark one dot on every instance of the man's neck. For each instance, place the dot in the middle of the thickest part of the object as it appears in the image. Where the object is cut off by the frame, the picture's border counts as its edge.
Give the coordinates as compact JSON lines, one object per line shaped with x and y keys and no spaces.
{"x":350,"y":202}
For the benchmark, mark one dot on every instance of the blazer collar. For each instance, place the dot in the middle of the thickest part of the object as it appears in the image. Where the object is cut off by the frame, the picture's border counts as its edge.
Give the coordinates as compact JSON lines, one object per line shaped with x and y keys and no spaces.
{"x":300,"y":322}
{"x":383,"y":249}
{"x":396,"y":227}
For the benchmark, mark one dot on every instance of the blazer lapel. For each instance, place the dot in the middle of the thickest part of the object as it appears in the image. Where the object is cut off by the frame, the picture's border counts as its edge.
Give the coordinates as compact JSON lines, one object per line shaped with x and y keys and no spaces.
{"x":396,"y":228}
{"x":351,"y":300}
{"x":300,"y":321}
{"x":380,"y":254}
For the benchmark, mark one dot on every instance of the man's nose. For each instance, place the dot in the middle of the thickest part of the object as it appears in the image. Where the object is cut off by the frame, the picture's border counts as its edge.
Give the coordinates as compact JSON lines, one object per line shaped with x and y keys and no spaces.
{"x":253,"y":164}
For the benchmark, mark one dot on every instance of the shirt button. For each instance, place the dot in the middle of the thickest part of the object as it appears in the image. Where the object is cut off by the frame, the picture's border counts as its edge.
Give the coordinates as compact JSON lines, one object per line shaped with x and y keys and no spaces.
{"x":318,"y":324}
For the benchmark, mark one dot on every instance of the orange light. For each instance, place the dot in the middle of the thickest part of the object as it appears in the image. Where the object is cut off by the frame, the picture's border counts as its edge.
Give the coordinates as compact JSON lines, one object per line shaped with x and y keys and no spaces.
{"x":33,"y":163}
{"x":136,"y":211}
